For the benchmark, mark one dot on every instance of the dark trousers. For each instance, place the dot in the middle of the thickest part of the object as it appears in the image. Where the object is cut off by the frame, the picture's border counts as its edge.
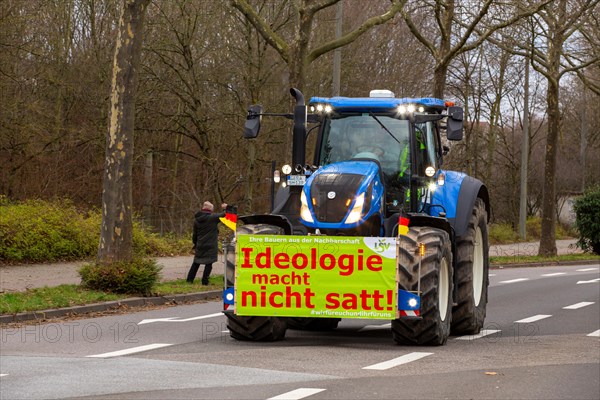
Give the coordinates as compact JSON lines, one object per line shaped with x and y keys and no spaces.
{"x":194,"y":269}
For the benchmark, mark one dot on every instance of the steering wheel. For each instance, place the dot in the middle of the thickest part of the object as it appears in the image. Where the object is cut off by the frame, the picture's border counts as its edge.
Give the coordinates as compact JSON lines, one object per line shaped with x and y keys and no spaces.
{"x":371,"y":148}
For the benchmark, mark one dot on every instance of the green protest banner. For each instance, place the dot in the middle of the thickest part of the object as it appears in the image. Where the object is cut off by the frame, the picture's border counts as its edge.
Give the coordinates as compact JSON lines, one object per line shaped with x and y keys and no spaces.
{"x":315,"y":276}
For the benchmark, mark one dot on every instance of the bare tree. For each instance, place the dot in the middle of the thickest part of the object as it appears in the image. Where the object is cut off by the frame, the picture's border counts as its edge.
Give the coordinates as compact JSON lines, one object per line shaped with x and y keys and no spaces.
{"x":460,"y":26}
{"x":559,"y":22}
{"x":116,"y":236}
{"x":297,"y":52}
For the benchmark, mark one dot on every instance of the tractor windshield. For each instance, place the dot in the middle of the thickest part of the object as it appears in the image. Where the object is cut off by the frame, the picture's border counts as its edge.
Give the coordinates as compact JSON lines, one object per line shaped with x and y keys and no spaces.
{"x":382,"y":138}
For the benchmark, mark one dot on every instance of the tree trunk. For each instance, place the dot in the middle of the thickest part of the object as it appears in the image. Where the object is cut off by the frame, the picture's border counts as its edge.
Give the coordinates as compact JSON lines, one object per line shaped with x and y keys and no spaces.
{"x":548,"y":237}
{"x":116,"y":236}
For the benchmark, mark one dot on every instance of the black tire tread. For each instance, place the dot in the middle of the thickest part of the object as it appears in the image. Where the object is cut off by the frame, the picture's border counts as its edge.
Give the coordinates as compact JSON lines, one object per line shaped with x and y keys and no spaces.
{"x":467,"y":319}
{"x":252,"y":328}
{"x":430,"y":330}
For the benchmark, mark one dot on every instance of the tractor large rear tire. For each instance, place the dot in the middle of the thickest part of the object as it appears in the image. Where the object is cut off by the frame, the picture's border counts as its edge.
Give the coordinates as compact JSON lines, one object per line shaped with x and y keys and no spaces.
{"x":260,"y":329}
{"x":436,"y":287}
{"x":471,"y":275}
{"x":313,"y":324}
{"x":256,"y":329}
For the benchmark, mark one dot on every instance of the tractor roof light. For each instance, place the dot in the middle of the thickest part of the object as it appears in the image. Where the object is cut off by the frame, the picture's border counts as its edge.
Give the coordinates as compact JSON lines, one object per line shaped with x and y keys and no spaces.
{"x":321,"y":108}
{"x":409,"y":108}
{"x":430,"y":171}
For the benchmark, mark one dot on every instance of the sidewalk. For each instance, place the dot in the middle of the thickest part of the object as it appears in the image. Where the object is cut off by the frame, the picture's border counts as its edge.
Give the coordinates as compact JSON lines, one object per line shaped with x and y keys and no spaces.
{"x":16,"y":278}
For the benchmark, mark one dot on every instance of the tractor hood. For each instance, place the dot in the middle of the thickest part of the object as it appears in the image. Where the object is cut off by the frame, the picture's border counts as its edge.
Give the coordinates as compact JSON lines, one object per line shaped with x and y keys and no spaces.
{"x":342,"y":195}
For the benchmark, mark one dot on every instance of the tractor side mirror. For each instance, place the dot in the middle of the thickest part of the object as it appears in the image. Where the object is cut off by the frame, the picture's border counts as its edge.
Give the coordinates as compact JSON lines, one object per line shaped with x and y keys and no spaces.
{"x":253,"y":119}
{"x":454,"y":125}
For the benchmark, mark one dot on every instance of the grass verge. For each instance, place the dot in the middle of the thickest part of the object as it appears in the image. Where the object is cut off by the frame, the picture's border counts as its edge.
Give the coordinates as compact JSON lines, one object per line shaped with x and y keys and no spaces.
{"x":75,"y":295}
{"x":499,"y":260}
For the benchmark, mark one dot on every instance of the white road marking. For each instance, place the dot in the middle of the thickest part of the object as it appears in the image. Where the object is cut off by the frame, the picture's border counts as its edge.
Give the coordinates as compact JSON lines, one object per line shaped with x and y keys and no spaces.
{"x":482,"y":333}
{"x":532,"y":319}
{"x":595,"y":333}
{"x":1,"y":375}
{"x":555,"y":274}
{"x":578,"y":305}
{"x":492,"y":275}
{"x":515,"y":280}
{"x":587,"y":269}
{"x":174,"y":319}
{"x":398,"y":361}
{"x":375,"y":327}
{"x":592,"y":281}
{"x":297,"y":394}
{"x":131,"y":351}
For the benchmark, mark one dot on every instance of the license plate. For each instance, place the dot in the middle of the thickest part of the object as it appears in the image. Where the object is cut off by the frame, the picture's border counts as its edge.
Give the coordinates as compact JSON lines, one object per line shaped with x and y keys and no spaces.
{"x":296,"y":180}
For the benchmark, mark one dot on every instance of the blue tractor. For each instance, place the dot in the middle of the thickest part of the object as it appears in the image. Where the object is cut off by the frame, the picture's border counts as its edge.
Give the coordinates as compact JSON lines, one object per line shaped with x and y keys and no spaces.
{"x":377,"y":162}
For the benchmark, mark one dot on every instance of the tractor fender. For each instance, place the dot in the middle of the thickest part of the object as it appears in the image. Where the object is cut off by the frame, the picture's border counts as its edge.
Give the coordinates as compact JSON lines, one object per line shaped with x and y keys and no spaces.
{"x":470,"y":190}
{"x":457,"y":199}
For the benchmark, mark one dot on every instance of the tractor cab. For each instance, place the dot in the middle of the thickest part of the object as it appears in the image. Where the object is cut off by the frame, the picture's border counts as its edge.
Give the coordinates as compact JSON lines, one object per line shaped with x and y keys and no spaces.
{"x":400,"y":138}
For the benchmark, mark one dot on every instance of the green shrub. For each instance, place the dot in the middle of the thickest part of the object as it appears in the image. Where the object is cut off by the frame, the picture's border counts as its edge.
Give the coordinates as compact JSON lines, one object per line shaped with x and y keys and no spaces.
{"x":502,"y":233}
{"x":36,"y":230}
{"x":41,"y":231}
{"x":131,"y":277}
{"x":587,"y":220}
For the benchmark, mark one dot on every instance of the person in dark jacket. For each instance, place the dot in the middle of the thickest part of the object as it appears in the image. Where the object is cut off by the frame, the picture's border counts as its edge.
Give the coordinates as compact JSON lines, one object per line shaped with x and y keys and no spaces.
{"x":205,"y":238}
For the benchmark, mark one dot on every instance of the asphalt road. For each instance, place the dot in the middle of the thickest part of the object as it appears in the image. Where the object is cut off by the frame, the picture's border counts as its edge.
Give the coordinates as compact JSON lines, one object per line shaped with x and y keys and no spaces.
{"x":541,"y":340}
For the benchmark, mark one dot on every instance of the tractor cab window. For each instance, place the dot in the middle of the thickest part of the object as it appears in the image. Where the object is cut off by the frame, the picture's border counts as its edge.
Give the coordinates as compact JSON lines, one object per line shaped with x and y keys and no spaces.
{"x":426,"y":147}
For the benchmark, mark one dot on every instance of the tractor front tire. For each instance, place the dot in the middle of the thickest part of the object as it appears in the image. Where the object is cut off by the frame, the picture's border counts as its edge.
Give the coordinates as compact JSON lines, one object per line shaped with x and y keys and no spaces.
{"x":436,"y":287}
{"x":249,"y":328}
{"x":471,"y":275}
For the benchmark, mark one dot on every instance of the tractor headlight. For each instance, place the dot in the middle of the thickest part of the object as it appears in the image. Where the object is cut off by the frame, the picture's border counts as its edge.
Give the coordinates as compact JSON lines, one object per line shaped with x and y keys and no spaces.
{"x":356,"y":211}
{"x":304,"y":210}
{"x":286,"y":169}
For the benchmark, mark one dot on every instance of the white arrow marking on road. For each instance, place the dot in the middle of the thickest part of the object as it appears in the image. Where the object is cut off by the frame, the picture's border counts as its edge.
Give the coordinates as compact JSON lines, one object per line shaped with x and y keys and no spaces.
{"x":592,"y":281}
{"x":578,"y":305}
{"x":481,"y":334}
{"x":515,"y":280}
{"x":596,"y":333}
{"x":297,"y":394}
{"x":587,"y":269}
{"x":375,"y":327}
{"x":131,"y":351}
{"x":148,"y":321}
{"x":398,"y":361}
{"x":174,"y":319}
{"x":555,"y":274}
{"x":532,"y":319}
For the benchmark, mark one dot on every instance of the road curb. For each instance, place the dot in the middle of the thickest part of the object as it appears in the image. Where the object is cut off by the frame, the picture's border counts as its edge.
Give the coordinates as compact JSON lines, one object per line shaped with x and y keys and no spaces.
{"x":110,"y":305}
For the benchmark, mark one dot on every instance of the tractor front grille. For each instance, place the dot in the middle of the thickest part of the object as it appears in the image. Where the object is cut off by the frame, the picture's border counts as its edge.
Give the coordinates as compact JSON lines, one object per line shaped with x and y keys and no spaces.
{"x":344,"y":186}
